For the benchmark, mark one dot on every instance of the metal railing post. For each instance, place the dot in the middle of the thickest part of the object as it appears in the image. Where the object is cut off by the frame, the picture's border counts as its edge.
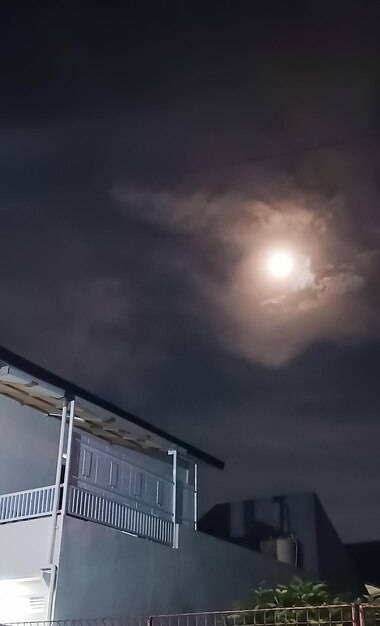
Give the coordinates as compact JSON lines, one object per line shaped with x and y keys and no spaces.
{"x":360,"y":613}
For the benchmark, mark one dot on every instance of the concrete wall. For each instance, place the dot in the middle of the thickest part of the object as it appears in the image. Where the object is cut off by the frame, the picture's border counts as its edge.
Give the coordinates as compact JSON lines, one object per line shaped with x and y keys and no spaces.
{"x":28,"y":447}
{"x":23,"y":552}
{"x":335,"y":565}
{"x":105,"y":572}
{"x":249,"y":522}
{"x":320,"y":548}
{"x":24,"y":548}
{"x":15,"y":597}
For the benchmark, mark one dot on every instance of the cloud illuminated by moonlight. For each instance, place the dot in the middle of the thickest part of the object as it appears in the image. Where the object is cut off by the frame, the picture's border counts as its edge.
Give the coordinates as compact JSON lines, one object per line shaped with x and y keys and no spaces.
{"x":261,"y":319}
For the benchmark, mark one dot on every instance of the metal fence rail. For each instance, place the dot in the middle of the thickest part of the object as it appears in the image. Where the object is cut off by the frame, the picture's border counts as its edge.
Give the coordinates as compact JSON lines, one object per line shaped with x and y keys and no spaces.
{"x":369,"y":614}
{"x":26,"y":504}
{"x":89,"y":506}
{"x":104,"y":621}
{"x":326,"y":615}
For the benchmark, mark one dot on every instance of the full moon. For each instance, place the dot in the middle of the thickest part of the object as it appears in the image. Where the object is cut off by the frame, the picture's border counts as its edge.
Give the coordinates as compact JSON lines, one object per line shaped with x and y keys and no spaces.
{"x":280,"y":264}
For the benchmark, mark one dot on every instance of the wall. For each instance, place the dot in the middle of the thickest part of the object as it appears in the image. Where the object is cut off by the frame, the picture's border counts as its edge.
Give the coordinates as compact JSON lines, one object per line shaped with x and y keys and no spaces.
{"x":334,"y":560}
{"x":105,"y":572}
{"x":249,"y":522}
{"x":24,"y":548}
{"x":24,"y":553}
{"x":123,"y":475}
{"x":320,"y":548}
{"x":22,"y":600}
{"x":127,"y":476}
{"x":28,"y":447}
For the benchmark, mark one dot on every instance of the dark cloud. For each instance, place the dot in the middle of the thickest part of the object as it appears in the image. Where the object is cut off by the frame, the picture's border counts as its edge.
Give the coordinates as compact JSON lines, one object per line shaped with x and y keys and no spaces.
{"x":297,"y":427}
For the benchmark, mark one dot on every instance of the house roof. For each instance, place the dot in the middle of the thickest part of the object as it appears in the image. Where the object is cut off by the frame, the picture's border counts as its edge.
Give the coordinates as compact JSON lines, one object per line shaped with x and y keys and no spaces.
{"x":29,"y":393}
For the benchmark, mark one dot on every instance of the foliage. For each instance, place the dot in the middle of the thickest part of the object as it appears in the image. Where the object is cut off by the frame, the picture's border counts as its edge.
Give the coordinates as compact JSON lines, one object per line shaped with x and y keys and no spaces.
{"x":297,"y":593}
{"x":279,"y":603}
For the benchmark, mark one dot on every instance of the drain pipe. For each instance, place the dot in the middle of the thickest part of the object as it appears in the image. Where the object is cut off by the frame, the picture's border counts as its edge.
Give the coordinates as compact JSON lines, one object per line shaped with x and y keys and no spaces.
{"x":195,"y":496}
{"x":174,"y":454}
{"x":57,"y":482}
{"x":52,"y":573}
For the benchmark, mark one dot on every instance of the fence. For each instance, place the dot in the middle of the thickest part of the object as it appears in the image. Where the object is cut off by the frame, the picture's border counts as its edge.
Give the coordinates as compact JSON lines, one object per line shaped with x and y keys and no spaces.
{"x":324,"y":615}
{"x":369,"y":614}
{"x":104,"y":621}
{"x":26,"y":504}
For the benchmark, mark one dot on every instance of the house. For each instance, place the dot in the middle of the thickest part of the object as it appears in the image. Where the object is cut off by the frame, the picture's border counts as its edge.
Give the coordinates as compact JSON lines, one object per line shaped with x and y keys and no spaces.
{"x":294,"y":528}
{"x":98,"y":510}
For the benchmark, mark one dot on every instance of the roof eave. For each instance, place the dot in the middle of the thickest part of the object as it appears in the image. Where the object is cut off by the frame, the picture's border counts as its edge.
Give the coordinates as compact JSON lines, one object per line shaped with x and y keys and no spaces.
{"x":41,"y":373}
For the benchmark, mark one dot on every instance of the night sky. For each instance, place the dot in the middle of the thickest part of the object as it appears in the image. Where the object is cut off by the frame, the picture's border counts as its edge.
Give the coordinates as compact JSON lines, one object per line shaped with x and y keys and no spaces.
{"x":151,"y":154}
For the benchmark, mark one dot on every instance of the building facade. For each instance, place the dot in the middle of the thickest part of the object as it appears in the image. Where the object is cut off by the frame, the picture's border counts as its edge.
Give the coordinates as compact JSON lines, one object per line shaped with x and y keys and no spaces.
{"x":98,"y":511}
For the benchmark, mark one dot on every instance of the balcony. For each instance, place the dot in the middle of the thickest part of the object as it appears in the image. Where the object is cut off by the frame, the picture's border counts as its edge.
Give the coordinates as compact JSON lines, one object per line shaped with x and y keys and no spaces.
{"x":34,"y":503}
{"x":89,"y":506}
{"x":26,"y":504}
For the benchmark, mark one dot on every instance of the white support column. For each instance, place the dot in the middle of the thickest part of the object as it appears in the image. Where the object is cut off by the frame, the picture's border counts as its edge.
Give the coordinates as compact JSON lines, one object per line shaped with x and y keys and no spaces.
{"x":68,"y":458}
{"x":174,"y":454}
{"x":51,"y":570}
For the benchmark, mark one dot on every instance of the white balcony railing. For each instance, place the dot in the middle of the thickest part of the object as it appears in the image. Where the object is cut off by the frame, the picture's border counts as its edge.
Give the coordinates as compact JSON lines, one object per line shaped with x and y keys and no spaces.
{"x":89,"y":506}
{"x":26,"y":504}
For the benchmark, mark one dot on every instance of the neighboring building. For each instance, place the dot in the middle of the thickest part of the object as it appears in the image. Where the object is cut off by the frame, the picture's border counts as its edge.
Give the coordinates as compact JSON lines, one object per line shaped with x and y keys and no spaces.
{"x":98,"y":511}
{"x":292,"y":528}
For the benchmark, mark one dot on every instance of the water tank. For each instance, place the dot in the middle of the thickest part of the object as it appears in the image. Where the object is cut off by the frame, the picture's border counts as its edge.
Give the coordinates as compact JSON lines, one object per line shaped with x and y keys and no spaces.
{"x":283,"y":549}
